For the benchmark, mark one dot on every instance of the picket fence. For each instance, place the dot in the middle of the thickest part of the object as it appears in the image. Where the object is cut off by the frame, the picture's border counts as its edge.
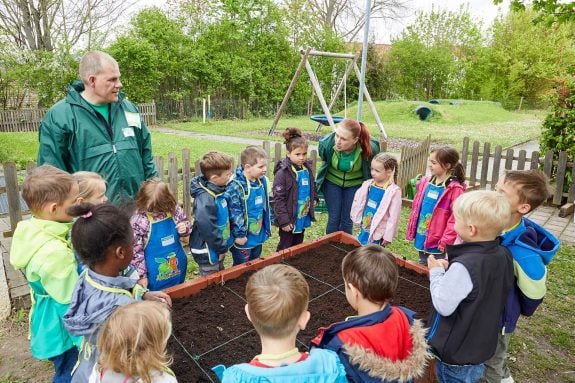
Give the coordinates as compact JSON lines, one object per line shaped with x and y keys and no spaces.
{"x":413,"y":161}
{"x":28,"y":120}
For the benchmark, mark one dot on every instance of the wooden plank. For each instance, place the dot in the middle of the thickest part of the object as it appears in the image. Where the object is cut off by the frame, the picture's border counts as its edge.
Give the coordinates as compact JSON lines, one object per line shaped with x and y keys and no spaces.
{"x":485,"y":164}
{"x":571,"y":195}
{"x":521,"y":160}
{"x":173,"y":173}
{"x":566,"y":210}
{"x":465,"y":152}
{"x":313,"y":157}
{"x":548,"y":163}
{"x":186,"y":178}
{"x":496,"y":166}
{"x":560,"y":177}
{"x":509,"y":159}
{"x":474,"y":162}
{"x":534,"y":160}
{"x":12,"y":194}
{"x":197,"y":169}
{"x":277,"y":152}
{"x":267,"y":147}
{"x":159,"y":161}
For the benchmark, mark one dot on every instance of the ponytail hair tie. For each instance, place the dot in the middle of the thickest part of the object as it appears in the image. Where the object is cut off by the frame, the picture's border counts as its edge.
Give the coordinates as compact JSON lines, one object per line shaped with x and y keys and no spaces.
{"x":87,"y":215}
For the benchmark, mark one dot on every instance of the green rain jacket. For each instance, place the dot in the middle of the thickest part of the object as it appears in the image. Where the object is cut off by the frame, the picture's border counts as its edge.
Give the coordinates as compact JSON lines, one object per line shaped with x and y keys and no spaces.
{"x":74,"y":137}
{"x":42,"y":250}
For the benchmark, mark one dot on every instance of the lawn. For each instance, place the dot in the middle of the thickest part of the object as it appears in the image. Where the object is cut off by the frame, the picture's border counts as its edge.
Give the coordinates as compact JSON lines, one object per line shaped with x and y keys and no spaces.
{"x":449,"y":124}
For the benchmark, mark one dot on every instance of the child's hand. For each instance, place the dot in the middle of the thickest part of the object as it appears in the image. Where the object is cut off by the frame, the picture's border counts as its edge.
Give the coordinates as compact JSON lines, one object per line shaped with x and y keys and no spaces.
{"x":143,"y":282}
{"x":384,"y":243}
{"x":287,"y":228}
{"x":158,"y":296}
{"x":181,"y":228}
{"x":432,"y":262}
{"x":241,"y":241}
{"x":223,"y":256}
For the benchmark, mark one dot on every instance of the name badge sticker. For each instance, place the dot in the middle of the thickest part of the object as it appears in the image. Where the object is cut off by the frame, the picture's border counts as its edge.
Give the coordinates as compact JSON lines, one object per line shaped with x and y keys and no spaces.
{"x":128,"y":132}
{"x":167,"y":241}
{"x":224,"y":203}
{"x":133,"y":119}
{"x":432,"y":194}
{"x":372,"y":204}
{"x":259,"y":200}
{"x":305,"y":182}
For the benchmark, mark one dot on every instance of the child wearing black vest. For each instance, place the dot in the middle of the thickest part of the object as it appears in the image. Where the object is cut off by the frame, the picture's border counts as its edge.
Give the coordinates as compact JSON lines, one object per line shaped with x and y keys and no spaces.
{"x":469,"y":291}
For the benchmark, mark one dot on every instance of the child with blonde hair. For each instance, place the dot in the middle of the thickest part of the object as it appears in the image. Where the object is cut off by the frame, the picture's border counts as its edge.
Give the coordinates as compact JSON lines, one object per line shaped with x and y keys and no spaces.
{"x":294,"y":191}
{"x":277,"y":301}
{"x":92,"y":187}
{"x":158,"y":224}
{"x":132,"y":345}
{"x":430,"y":225}
{"x":468,"y":293}
{"x":377,"y":203}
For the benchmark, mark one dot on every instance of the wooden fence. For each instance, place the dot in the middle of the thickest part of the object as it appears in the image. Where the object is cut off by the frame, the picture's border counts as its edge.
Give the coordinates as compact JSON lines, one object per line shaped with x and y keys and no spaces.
{"x":176,"y":172}
{"x":413,"y":161}
{"x":28,"y":120}
{"x":484,"y":168}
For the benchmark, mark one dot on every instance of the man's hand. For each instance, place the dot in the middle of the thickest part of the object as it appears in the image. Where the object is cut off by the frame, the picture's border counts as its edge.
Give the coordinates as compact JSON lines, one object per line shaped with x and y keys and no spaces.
{"x":287,"y":228}
{"x":181,"y":228}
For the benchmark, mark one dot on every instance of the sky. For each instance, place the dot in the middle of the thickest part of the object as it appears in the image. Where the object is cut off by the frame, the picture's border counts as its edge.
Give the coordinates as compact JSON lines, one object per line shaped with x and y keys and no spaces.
{"x":382,"y":32}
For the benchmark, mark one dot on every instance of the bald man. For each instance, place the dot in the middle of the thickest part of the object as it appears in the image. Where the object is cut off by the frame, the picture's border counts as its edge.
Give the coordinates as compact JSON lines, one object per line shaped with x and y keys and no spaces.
{"x":96,"y":129}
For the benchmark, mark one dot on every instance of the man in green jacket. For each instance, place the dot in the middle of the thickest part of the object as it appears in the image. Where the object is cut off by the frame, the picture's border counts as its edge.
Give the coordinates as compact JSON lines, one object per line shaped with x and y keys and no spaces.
{"x":96,"y":129}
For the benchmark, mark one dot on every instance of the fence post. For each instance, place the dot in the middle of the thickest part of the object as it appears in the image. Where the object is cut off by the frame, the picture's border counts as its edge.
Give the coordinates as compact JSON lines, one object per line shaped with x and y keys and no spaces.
{"x":186,"y":177}
{"x":560,"y":176}
{"x":159,"y":160}
{"x":474,"y":162}
{"x":13,"y":194}
{"x":465,"y":152}
{"x":173,"y":173}
{"x":485,"y":164}
{"x":496,"y":166}
{"x":267,"y":148}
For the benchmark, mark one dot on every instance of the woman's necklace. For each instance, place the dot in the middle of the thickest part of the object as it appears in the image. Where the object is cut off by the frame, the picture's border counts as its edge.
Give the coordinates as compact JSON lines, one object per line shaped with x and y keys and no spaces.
{"x":284,"y":355}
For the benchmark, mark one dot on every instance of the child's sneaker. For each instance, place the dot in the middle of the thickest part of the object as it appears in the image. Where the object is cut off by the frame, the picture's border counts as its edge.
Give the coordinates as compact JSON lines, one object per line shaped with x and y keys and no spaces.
{"x":509,"y":379}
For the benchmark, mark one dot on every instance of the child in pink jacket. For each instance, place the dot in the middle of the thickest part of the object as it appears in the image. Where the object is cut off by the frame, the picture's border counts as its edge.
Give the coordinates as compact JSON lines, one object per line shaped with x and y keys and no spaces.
{"x":377,"y":203}
{"x":431,"y":222}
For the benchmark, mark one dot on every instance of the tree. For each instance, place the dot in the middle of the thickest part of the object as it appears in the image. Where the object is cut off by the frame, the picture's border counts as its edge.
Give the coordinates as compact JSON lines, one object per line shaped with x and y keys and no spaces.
{"x":50,"y":24}
{"x":548,"y":11}
{"x":434,"y":55}
{"x":346,"y":18}
{"x":524,"y":59}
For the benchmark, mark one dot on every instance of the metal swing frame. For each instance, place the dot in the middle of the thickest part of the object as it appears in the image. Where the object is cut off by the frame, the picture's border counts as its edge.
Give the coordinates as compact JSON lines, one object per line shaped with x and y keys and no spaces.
{"x":304,"y":62}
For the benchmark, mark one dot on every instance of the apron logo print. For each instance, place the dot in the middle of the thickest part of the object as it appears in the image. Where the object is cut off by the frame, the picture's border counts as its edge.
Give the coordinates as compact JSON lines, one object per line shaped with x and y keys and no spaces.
{"x":168,"y":267}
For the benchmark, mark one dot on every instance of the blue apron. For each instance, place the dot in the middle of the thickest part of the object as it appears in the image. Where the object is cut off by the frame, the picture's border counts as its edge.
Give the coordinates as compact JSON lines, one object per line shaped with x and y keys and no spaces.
{"x":256,"y":207}
{"x":374,"y":196}
{"x":303,"y":219}
{"x":166,"y":259}
{"x":431,"y":196}
{"x":223,"y":222}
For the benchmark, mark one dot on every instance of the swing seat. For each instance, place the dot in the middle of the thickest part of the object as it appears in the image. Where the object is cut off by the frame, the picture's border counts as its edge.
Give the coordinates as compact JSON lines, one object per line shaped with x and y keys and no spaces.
{"x":322,"y":119}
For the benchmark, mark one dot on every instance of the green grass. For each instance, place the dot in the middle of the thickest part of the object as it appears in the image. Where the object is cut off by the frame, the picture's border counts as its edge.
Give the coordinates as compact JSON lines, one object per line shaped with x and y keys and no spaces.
{"x":483,"y":121}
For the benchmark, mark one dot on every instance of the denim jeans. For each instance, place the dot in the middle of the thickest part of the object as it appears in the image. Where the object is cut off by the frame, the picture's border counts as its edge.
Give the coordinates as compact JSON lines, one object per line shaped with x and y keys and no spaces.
{"x":63,"y":365}
{"x":338,"y":201}
{"x":449,"y":373}
{"x":243,"y":255}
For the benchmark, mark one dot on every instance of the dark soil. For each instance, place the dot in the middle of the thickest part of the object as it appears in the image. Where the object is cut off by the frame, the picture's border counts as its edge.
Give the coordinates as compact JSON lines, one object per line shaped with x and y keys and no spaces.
{"x":212,"y":327}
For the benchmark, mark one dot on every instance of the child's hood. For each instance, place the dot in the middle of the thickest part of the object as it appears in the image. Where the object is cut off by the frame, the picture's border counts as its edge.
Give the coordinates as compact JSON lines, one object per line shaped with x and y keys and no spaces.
{"x":92,"y":305}
{"x":32,"y":235}
{"x":199,"y":184}
{"x":532,"y":239}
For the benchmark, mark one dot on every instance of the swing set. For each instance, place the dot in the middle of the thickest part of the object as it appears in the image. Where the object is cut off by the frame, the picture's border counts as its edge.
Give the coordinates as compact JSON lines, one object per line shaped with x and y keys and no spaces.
{"x":327,"y":118}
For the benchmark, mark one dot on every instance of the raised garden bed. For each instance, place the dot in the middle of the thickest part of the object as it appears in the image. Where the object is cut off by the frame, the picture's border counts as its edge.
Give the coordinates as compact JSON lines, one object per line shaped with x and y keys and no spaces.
{"x":210,"y":326}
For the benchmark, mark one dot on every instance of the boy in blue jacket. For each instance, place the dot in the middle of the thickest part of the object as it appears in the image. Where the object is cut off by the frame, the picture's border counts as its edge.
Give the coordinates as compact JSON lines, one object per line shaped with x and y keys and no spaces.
{"x":210,"y":239}
{"x":248,"y":197}
{"x":277,"y":300}
{"x":532,"y":248}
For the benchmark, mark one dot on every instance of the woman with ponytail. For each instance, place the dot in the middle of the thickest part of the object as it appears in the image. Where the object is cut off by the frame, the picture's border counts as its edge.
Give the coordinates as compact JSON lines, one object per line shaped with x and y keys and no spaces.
{"x":346,"y":155}
{"x":431,"y":223}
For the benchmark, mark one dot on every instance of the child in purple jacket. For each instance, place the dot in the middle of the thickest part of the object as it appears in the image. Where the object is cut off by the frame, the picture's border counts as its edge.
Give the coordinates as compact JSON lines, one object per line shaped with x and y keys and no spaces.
{"x":294,"y":191}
